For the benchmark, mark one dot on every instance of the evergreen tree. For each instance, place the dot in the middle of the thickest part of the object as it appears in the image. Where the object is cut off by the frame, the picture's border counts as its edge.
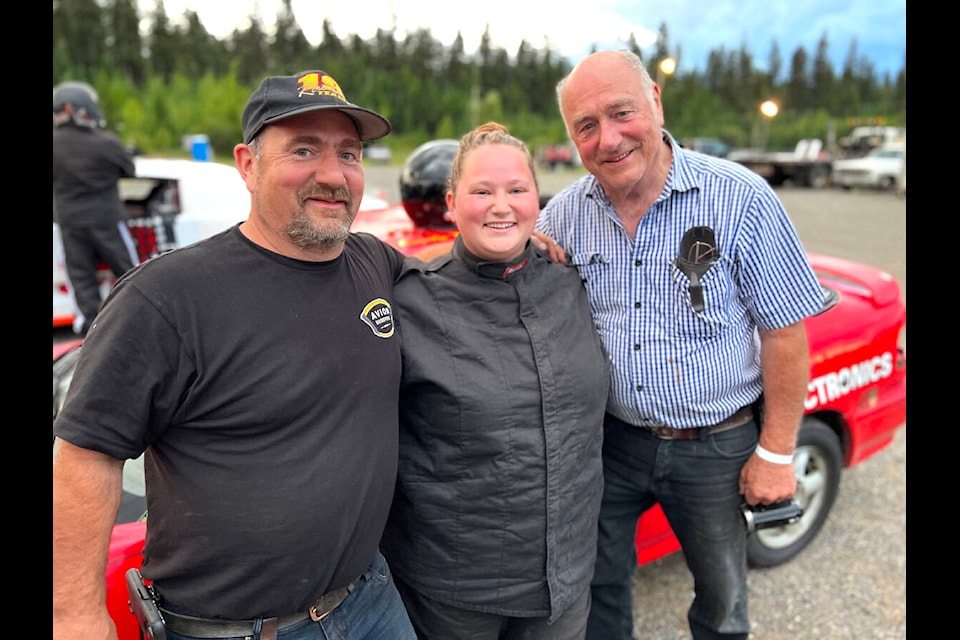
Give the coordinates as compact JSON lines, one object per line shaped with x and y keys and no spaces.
{"x":78,"y":25}
{"x":126,"y":45}
{"x":164,"y":44}
{"x":823,"y":77}
{"x":290,"y":48}
{"x":250,"y":50}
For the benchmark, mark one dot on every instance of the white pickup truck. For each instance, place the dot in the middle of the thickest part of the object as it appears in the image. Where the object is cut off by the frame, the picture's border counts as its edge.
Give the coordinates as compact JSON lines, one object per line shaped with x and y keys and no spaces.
{"x":881,"y":168}
{"x":170,"y":203}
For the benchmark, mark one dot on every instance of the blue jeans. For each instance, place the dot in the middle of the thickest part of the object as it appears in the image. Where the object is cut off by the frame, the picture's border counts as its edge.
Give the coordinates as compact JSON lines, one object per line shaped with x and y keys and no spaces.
{"x":696,"y":483}
{"x":373,"y":611}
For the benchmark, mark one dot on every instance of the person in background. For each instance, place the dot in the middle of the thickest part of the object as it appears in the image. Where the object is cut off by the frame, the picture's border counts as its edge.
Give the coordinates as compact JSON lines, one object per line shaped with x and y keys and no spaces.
{"x":698,"y":286}
{"x":88,"y":163}
{"x":259,"y":370}
{"x":501,"y":411}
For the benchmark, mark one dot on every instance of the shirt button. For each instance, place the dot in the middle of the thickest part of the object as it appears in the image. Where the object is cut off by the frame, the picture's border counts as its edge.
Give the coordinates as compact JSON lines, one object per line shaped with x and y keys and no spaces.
{"x":638,"y":262}
{"x":639,"y":387}
{"x":636,"y":347}
{"x":636,"y":305}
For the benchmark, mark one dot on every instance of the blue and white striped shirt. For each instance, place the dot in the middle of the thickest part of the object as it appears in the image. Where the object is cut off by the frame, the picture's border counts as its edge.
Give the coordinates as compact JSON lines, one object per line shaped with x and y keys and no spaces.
{"x":672,"y":365}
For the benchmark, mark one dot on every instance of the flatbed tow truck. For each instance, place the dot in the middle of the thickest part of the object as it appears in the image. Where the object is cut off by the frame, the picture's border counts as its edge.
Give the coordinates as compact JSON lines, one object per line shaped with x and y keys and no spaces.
{"x":806,"y":166}
{"x":809,"y":165}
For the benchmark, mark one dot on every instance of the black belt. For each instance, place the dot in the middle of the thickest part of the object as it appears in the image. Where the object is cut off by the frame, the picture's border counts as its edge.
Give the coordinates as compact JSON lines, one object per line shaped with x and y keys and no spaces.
{"x":741,"y":417}
{"x":213,"y":628}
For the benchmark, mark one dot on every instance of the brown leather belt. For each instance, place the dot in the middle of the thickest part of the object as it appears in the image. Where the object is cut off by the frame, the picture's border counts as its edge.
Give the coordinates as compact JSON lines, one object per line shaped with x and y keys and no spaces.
{"x":212,"y":628}
{"x":741,"y":417}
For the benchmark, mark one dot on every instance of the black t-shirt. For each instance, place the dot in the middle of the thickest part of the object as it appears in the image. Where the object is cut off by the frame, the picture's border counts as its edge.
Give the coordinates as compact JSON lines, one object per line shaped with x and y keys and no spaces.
{"x":265,"y":389}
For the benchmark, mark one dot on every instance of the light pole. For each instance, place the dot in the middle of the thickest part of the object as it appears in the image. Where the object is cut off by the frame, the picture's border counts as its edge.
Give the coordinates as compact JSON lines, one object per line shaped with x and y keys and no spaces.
{"x":768,"y":109}
{"x":666,"y":68}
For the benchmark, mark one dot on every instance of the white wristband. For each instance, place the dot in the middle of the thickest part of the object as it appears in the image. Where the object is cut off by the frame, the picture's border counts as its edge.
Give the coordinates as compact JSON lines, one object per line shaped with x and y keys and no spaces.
{"x":775,"y":458}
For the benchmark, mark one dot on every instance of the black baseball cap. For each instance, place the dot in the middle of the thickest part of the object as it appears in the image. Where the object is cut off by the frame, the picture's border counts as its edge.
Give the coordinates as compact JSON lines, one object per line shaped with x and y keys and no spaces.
{"x":280,"y":97}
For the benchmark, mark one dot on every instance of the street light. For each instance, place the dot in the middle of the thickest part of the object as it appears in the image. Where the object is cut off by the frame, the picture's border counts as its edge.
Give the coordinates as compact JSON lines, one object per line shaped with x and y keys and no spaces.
{"x":666,"y":68}
{"x":768,"y":109}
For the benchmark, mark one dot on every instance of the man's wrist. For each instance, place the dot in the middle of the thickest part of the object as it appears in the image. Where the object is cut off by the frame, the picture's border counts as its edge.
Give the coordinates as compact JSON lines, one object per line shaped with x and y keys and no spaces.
{"x":775,"y":458}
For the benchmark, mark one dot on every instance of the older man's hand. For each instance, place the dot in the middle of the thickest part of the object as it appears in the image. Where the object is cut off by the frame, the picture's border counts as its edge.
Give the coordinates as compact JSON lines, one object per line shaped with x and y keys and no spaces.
{"x":549,"y":246}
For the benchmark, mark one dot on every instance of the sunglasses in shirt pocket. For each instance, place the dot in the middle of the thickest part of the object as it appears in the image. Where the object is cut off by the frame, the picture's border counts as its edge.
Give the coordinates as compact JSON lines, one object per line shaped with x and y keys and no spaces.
{"x":704,"y":285}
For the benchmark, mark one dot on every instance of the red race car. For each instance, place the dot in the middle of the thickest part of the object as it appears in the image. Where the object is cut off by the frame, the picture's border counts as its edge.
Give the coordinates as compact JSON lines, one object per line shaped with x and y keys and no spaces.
{"x":856,"y":398}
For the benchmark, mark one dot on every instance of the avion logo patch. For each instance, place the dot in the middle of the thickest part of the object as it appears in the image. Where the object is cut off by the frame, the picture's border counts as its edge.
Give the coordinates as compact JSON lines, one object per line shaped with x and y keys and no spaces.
{"x":378,"y":315}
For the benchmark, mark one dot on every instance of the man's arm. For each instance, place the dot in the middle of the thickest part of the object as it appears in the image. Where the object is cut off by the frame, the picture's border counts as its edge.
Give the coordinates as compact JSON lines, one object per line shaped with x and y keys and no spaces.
{"x":87,"y":488}
{"x":785,"y":367}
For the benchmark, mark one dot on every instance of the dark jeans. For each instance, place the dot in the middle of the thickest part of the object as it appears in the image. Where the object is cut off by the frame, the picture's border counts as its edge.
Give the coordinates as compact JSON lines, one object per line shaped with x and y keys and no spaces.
{"x":438,"y":621}
{"x":696,"y":483}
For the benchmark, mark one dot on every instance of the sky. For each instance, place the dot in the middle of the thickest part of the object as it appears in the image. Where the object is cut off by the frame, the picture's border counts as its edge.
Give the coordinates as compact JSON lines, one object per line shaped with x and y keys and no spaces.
{"x":572,"y":27}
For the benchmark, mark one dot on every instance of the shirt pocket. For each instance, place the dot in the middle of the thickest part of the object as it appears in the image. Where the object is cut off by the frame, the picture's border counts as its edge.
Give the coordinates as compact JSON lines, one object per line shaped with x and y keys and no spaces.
{"x":717,"y":288}
{"x":592,"y":266}
{"x":607,"y":294}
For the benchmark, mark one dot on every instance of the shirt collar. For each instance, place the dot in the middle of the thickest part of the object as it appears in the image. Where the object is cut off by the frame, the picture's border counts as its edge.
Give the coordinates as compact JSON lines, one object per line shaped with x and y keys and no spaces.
{"x":487,"y":269}
{"x":681,"y":177}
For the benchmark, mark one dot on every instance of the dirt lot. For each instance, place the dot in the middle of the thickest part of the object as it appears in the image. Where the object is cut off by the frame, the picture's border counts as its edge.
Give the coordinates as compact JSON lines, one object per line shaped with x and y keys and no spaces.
{"x":850,"y":583}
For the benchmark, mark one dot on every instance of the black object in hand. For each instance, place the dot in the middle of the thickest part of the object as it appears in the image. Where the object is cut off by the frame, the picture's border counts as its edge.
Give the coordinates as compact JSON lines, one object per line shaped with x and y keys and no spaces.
{"x":778,"y":514}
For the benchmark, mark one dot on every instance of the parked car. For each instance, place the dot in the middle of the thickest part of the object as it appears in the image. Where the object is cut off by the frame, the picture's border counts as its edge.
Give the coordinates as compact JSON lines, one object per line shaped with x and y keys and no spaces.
{"x":170,"y":203}
{"x":560,"y":155}
{"x":856,"y":401}
{"x":710,"y":146}
{"x":378,"y":153}
{"x":879,"y":169}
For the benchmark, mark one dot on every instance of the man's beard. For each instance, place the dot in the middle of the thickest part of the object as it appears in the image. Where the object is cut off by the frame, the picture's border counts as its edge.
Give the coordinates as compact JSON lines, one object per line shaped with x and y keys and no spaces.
{"x":322,"y":235}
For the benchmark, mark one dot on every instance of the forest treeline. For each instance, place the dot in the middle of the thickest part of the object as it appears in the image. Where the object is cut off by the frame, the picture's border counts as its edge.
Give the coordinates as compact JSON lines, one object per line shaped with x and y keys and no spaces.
{"x":174,"y":78}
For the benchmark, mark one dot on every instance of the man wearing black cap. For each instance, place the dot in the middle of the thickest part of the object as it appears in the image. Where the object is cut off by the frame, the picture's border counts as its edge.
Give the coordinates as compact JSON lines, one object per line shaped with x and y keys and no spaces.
{"x":265,"y":400}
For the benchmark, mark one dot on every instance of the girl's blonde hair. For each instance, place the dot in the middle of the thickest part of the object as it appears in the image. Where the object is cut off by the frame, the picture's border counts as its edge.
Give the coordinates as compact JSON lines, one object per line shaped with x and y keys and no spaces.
{"x":489,"y":133}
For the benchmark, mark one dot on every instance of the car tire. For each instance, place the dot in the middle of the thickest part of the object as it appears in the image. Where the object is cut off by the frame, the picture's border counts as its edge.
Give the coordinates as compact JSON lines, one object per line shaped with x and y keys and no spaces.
{"x":819,"y":178}
{"x":819,"y":462}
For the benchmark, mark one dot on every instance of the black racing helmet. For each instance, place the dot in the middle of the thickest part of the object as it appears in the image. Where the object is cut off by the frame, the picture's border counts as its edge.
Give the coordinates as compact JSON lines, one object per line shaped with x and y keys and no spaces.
{"x":83,"y":101}
{"x":423,"y":183}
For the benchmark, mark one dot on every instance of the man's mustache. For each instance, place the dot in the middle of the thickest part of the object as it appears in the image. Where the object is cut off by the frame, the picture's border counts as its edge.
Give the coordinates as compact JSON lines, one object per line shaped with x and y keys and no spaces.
{"x":328,"y":194}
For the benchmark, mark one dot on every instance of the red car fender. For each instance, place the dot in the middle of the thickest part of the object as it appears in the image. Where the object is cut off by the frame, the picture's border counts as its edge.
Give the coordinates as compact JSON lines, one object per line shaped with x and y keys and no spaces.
{"x":125,"y":552}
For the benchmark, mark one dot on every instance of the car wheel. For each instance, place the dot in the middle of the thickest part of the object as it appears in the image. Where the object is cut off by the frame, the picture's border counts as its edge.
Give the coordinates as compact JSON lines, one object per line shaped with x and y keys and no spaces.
{"x":818,"y":461}
{"x":819,"y":178}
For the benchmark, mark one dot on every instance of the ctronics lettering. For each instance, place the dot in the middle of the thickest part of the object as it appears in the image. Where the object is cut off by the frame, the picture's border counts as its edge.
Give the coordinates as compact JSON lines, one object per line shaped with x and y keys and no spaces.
{"x":836,"y":384}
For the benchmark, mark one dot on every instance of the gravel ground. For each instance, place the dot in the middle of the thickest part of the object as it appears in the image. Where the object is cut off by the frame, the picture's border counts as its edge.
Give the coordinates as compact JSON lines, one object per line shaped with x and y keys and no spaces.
{"x":850,"y":583}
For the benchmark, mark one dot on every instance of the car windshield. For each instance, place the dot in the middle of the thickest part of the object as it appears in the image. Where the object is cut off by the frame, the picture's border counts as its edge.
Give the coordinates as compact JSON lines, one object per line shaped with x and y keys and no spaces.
{"x":887,"y":153}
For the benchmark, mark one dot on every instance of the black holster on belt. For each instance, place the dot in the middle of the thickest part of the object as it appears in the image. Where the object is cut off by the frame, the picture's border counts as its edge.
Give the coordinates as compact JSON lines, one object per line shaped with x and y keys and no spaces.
{"x":143,"y":604}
